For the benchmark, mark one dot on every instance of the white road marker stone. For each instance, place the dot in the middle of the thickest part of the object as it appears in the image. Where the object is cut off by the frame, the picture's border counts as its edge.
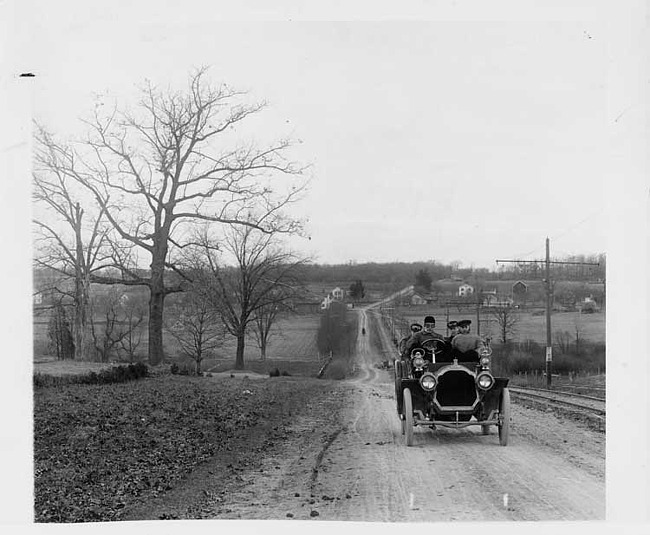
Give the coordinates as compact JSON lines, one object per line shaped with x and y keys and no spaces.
{"x":505,"y":500}
{"x":412,"y":504}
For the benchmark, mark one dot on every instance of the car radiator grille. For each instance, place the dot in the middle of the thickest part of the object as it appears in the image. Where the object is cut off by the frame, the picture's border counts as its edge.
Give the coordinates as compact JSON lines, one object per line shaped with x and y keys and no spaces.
{"x":456,"y":388}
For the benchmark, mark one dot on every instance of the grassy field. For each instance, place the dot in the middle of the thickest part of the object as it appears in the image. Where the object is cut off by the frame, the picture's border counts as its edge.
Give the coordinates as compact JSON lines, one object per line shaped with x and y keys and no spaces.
{"x":292,"y":348}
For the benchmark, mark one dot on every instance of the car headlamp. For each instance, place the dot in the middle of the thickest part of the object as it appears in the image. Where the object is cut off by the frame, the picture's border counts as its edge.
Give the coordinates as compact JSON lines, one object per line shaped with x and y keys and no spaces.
{"x":485,"y":381}
{"x":428,"y":382}
{"x":485,"y":351}
{"x":418,"y":362}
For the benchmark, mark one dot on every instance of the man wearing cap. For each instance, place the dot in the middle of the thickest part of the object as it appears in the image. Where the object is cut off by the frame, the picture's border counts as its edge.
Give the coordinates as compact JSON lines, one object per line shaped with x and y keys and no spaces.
{"x":453,"y":331}
{"x":465,"y":344}
{"x":427,"y":333}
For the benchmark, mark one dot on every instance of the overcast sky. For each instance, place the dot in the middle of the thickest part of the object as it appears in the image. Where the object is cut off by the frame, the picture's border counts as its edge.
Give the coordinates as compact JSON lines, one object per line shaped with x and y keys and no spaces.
{"x":464,"y":141}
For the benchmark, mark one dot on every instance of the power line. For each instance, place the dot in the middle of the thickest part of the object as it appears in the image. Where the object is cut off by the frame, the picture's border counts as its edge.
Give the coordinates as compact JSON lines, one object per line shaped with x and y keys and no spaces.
{"x":573,"y":227}
{"x":562,"y":233}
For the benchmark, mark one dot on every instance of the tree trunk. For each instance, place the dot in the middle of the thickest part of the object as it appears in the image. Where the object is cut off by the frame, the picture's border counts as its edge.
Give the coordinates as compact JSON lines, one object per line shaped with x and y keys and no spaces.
{"x":80,"y":295}
{"x":156,"y":305}
{"x":239,"y":359}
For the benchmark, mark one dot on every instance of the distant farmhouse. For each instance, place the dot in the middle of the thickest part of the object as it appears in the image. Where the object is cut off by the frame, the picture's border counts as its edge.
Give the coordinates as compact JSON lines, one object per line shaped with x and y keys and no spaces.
{"x":417,"y":299}
{"x":465,"y":290}
{"x":519,"y":292}
{"x":335,"y":295}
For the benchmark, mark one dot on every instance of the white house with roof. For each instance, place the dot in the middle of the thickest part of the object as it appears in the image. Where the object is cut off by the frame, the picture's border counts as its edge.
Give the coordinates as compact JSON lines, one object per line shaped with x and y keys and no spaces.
{"x":335,"y":295}
{"x":465,"y":290}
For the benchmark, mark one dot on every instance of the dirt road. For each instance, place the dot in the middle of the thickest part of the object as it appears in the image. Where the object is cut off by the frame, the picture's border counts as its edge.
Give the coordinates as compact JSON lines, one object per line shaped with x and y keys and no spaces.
{"x":350,"y":463}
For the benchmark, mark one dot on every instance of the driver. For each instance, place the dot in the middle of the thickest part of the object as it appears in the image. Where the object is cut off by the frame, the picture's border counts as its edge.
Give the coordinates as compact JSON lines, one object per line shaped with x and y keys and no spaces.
{"x":427,"y":333}
{"x":466,"y":344}
{"x":414,"y":328}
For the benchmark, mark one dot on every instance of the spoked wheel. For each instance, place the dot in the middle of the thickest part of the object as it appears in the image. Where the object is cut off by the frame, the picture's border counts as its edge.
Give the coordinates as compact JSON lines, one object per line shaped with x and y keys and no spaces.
{"x":408,"y":417}
{"x":398,"y":376}
{"x":485,"y":430}
{"x":504,"y":417}
{"x":398,"y":386}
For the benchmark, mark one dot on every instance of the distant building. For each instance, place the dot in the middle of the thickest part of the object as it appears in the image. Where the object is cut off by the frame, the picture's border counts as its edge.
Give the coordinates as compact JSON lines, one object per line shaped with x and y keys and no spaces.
{"x":337,"y":294}
{"x":465,"y":289}
{"x":327,"y":301}
{"x":417,"y":299}
{"x":519,"y":288}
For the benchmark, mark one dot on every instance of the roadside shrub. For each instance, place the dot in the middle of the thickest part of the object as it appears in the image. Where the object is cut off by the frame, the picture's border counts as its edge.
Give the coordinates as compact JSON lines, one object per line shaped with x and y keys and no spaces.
{"x":117,"y":374}
{"x":174,"y":368}
{"x":274,"y":373}
{"x":529,"y":356}
{"x":337,"y":370}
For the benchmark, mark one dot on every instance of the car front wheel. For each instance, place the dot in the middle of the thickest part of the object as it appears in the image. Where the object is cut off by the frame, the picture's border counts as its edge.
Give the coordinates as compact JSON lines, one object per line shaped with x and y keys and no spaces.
{"x":408,"y":416}
{"x":504,"y":417}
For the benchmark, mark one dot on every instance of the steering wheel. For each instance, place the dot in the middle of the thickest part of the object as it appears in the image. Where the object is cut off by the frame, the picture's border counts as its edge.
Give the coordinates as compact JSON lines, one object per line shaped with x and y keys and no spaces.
{"x":435,"y":346}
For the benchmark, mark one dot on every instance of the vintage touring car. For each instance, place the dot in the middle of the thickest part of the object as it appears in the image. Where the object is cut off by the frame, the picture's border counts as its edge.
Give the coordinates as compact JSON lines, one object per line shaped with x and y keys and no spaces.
{"x":435,"y":386}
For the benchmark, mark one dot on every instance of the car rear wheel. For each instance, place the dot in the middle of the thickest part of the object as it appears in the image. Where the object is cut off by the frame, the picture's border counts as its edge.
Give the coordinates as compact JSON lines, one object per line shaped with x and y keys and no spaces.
{"x":408,"y":416}
{"x":504,"y":417}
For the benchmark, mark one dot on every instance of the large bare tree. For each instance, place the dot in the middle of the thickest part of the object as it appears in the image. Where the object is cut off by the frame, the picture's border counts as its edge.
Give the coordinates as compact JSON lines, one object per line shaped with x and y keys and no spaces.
{"x":175,"y":160}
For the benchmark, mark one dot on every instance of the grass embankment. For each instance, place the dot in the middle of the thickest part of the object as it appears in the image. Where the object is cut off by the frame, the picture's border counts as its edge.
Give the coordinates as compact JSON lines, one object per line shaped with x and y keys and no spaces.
{"x":102,"y":450}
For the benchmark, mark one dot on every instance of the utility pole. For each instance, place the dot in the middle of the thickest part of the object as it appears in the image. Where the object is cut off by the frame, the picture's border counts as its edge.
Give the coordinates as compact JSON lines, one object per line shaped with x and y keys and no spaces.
{"x":549,"y":305}
{"x":549,"y":300}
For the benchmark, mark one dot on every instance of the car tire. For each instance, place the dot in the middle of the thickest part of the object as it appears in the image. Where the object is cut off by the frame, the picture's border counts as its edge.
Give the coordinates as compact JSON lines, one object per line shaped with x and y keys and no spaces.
{"x":408,"y":416}
{"x":504,"y":417}
{"x":398,"y":380}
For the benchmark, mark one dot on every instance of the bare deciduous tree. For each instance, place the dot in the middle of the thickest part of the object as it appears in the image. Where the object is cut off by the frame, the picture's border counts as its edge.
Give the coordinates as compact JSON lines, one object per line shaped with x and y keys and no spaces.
{"x":263,"y":276}
{"x":171,"y":163}
{"x":196,"y":325}
{"x":134,"y":315}
{"x":112,"y":323}
{"x":59,"y":335}
{"x":507,"y":319}
{"x":563,"y":341}
{"x":75,"y":250}
{"x":265,"y":326}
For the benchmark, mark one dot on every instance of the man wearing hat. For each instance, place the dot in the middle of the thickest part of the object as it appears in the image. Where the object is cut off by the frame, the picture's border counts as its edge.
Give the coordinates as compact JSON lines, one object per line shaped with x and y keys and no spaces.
{"x":453,"y":330}
{"x":427,"y":333}
{"x":465,"y":344}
